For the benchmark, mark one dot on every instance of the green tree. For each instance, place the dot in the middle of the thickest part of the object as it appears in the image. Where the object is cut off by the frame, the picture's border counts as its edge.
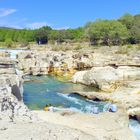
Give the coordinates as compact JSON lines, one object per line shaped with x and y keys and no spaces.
{"x":41,"y":36}
{"x":127,"y":20}
{"x":135,"y":30}
{"x":109,"y":32}
{"x":57,"y":35}
{"x":2,"y":35}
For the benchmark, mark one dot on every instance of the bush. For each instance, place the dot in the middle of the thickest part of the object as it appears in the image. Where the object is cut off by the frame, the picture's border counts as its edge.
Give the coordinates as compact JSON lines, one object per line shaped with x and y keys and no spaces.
{"x":9,"y":43}
{"x":138,"y":47}
{"x":122,"y":50}
{"x":24,"y":43}
{"x":60,"y":48}
{"x":129,"y":46}
{"x":78,"y":47}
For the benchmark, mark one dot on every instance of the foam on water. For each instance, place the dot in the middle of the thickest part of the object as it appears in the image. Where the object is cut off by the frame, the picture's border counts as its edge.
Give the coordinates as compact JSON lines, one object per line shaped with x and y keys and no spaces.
{"x":66,"y":109}
{"x":84,"y":105}
{"x":75,"y":100}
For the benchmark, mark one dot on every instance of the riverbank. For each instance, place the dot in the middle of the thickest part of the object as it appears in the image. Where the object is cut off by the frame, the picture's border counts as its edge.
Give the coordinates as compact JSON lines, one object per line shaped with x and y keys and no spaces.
{"x":103,"y":126}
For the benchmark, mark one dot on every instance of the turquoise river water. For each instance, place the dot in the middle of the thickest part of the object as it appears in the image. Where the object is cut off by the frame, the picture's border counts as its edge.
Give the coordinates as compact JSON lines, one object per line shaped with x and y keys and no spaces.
{"x":49,"y":90}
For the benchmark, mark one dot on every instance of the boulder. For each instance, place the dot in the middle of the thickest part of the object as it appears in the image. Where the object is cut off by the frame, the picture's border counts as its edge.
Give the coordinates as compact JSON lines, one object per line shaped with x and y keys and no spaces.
{"x":107,"y":78}
{"x":104,"y":78}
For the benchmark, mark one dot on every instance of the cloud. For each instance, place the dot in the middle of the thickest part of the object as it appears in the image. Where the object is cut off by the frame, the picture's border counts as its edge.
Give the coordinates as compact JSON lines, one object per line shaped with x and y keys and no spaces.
{"x":36,"y":25}
{"x":5,"y":12}
{"x":14,"y":23}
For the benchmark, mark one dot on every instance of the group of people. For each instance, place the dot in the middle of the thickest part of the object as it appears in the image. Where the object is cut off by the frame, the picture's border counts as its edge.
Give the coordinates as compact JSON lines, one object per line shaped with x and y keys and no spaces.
{"x":49,"y":108}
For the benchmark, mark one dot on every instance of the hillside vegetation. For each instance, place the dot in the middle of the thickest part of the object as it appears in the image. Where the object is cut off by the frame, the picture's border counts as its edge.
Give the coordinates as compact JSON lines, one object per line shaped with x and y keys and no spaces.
{"x":125,"y":30}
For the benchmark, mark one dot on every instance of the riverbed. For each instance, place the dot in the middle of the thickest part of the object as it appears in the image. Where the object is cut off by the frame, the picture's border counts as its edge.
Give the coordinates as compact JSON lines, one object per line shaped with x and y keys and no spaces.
{"x":50,"y":90}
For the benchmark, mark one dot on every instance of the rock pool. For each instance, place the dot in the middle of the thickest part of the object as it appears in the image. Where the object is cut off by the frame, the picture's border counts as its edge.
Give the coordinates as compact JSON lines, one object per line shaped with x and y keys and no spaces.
{"x":50,"y":90}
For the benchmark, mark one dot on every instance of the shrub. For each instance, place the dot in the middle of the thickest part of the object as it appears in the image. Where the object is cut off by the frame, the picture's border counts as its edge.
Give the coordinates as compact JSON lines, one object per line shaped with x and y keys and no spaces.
{"x":24,"y":43}
{"x":122,"y":50}
{"x":137,"y":47}
{"x":78,"y":47}
{"x":9,"y":43}
{"x":129,"y":46}
{"x":60,"y":48}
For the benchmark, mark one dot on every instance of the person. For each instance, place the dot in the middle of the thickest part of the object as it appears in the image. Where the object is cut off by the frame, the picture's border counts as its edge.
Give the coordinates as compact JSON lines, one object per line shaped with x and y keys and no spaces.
{"x":110,"y":108}
{"x":46,"y":108}
{"x":113,"y":108}
{"x":51,"y":108}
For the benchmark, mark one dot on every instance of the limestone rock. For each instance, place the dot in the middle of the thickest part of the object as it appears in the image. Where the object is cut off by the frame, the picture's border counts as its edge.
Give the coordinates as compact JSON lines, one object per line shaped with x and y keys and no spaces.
{"x":107,"y":78}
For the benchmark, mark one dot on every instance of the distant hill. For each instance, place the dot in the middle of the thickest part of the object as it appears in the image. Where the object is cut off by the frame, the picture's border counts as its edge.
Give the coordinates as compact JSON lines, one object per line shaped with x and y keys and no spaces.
{"x":8,"y":28}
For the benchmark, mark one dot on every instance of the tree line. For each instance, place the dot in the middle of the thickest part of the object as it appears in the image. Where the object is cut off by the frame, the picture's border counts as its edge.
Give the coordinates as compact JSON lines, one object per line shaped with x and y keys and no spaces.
{"x":125,"y":30}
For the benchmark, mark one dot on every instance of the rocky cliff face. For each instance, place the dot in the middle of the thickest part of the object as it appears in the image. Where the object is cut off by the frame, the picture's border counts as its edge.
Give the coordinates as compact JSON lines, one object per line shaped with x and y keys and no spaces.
{"x":11,"y":92}
{"x":58,"y":63}
{"x":42,"y":63}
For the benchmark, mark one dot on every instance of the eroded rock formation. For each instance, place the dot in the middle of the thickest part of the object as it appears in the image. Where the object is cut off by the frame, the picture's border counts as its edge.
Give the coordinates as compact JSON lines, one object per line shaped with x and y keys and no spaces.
{"x":11,"y":92}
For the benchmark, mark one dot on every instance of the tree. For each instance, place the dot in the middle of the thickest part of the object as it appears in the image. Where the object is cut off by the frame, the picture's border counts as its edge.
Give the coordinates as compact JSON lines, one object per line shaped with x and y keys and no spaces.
{"x":47,"y":28}
{"x":135,"y":30}
{"x":2,"y":35}
{"x":127,"y":20}
{"x":74,"y":34}
{"x":109,"y":32}
{"x":57,"y":35}
{"x":41,"y":36}
{"x":92,"y":33}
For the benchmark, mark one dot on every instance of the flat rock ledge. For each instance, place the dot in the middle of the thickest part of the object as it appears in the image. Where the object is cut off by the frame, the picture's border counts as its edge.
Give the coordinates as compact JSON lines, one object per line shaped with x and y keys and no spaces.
{"x":103,"y":126}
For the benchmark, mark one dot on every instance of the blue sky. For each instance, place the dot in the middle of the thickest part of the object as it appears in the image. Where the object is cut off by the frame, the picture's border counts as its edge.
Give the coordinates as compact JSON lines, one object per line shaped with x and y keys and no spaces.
{"x":62,"y":13}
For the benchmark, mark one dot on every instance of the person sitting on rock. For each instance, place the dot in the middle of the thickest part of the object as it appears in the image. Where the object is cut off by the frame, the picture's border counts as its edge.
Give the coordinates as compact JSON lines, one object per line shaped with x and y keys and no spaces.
{"x":110,"y":108}
{"x":113,"y":108}
{"x":46,"y":108}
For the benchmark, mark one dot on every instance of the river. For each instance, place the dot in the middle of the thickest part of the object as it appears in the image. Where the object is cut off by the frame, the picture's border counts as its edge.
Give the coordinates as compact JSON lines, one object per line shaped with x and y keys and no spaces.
{"x":50,"y":90}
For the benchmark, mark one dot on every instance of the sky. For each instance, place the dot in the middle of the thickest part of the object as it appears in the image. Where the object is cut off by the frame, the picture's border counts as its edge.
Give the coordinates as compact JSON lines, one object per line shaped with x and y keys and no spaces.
{"x":62,"y":14}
